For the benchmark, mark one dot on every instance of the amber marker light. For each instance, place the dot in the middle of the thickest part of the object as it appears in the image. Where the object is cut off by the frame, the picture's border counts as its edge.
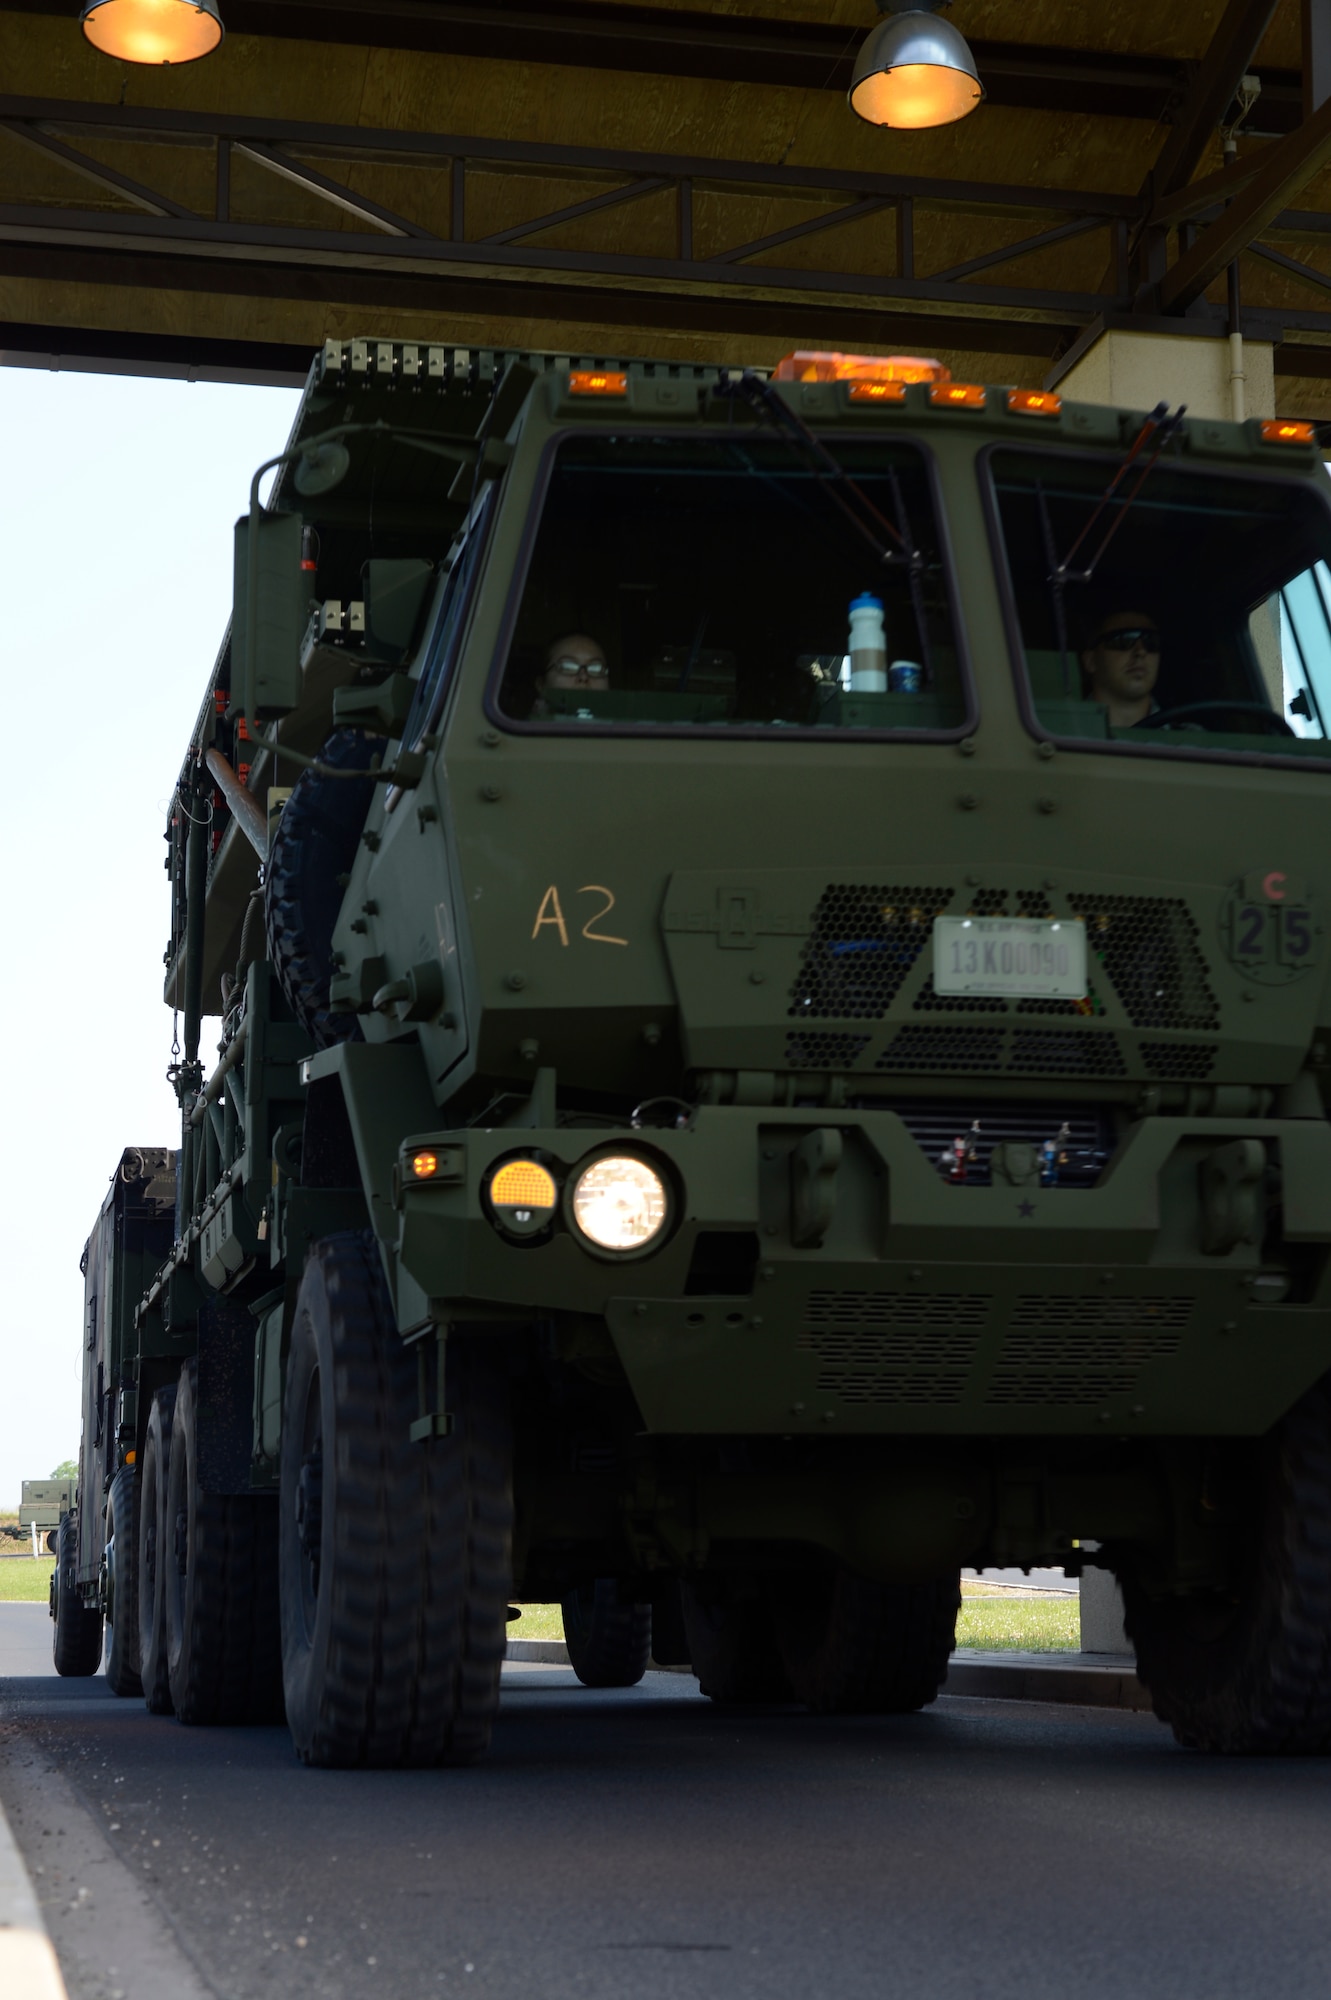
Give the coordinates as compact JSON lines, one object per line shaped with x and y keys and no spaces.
{"x":598,"y":382}
{"x":523,"y":1196}
{"x":1284,"y":430}
{"x":153,"y":31}
{"x":131,"y":1458}
{"x":1033,"y":403}
{"x":425,"y":1165}
{"x":877,"y":392}
{"x":957,"y":395}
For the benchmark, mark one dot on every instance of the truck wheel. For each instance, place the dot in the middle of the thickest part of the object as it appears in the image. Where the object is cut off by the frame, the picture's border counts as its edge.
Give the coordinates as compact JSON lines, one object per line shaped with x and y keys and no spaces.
{"x":609,"y":1642}
{"x":154,"y":1540}
{"x":395,"y":1557}
{"x":308,"y":863}
{"x":219,"y":1576}
{"x":122,"y":1593}
{"x":731,"y":1640}
{"x":855,"y":1647}
{"x":76,"y":1646}
{"x":1248,"y":1671}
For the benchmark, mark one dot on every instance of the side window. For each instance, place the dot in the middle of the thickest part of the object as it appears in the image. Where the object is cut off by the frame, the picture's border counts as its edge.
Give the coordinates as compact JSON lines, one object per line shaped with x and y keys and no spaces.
{"x":427,"y":703}
{"x":1291,"y":636}
{"x":1190,"y":613}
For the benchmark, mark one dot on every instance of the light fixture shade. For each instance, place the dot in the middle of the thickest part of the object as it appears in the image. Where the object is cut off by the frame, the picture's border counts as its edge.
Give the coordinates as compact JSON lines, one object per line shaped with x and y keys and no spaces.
{"x":153,"y":31}
{"x":914,"y":71}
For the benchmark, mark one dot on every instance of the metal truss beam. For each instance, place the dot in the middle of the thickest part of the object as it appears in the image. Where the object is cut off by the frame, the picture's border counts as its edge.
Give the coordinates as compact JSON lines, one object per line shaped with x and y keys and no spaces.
{"x":1285,"y":170}
{"x":432,"y":263}
{"x":1241,"y":28}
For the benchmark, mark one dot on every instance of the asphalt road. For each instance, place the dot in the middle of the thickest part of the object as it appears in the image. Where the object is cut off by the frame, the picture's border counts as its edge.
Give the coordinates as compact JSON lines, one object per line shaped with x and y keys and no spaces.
{"x":647,"y":1844}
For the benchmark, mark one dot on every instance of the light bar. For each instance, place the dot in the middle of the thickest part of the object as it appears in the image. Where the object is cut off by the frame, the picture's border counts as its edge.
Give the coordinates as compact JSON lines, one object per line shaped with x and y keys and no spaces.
{"x":1285,"y":430}
{"x":598,"y":382}
{"x":1033,"y":403}
{"x":814,"y":365}
{"x":957,"y":396}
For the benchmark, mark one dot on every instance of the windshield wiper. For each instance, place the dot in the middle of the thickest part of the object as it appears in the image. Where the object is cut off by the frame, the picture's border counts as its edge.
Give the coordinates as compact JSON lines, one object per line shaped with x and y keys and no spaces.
{"x":1156,"y":432}
{"x":846,"y":493}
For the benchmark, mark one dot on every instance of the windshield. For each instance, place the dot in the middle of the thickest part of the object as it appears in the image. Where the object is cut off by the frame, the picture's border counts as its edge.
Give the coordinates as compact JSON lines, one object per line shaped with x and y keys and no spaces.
{"x":714,"y":582}
{"x":1205,"y":624}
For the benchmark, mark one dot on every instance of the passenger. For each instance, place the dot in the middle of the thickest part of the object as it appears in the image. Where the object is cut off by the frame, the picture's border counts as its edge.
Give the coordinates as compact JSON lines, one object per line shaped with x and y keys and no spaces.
{"x":1121,"y":665}
{"x":574,"y":662}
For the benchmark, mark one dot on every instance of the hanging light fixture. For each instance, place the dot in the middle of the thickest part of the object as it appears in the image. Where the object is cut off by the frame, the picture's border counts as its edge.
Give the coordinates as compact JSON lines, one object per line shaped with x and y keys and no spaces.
{"x":914,"y":70}
{"x":153,"y":31}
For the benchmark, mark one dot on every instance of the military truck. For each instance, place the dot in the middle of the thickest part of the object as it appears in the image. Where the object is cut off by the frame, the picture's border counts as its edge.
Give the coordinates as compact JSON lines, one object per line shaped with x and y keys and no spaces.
{"x":717,"y":1125}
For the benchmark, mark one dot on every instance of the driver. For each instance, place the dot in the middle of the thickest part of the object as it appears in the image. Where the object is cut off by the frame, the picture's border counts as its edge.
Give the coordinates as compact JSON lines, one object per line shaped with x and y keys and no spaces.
{"x":1120,"y":666}
{"x":576,"y":661}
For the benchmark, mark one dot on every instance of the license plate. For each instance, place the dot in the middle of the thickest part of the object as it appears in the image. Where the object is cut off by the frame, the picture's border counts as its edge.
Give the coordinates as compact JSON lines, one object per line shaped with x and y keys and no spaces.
{"x":1035,"y":958}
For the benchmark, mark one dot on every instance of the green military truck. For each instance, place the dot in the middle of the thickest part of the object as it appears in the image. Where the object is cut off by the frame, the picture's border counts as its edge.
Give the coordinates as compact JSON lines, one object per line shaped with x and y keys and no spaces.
{"x":770,"y":939}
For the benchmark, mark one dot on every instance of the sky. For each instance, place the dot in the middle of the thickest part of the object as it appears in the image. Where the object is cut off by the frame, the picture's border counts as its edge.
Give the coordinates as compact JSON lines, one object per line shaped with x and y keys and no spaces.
{"x":117,"y":501}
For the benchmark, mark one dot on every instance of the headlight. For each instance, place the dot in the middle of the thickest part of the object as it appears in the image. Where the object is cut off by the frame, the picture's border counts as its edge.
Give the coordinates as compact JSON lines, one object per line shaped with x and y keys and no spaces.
{"x":619,"y":1203}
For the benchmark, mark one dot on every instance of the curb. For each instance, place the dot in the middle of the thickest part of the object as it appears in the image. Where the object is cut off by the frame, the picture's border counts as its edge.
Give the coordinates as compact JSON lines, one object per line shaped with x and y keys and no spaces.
{"x":28,"y":1966}
{"x":1084,"y":1680}
{"x":1087,"y":1680}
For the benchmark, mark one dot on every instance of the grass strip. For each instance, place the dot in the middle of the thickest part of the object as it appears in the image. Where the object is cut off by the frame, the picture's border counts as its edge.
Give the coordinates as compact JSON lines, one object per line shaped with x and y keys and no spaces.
{"x":23,"y":1581}
{"x":987,"y":1624}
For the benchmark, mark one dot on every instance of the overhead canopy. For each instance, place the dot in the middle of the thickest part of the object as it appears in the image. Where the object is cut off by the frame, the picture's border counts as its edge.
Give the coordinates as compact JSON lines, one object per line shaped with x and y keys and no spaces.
{"x":604,"y":178}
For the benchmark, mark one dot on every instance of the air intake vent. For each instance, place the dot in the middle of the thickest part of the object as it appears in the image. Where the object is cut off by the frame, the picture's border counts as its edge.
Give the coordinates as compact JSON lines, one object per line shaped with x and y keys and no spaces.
{"x":916,"y":1048}
{"x":1045,"y":1052}
{"x":894,"y":1347}
{"x":1027,"y":1051}
{"x":1149,"y":948}
{"x":819,"y":1049}
{"x":1084,"y":1350}
{"x":1174,"y":1059}
{"x":863,"y":944}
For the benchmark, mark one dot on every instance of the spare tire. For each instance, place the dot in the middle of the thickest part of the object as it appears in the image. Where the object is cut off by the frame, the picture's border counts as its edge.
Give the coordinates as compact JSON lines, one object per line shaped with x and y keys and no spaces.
{"x":308,"y":863}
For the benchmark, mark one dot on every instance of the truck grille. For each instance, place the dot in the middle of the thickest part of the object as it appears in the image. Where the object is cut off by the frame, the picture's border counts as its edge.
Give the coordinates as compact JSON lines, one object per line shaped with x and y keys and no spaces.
{"x":866,"y":940}
{"x":863,"y":943}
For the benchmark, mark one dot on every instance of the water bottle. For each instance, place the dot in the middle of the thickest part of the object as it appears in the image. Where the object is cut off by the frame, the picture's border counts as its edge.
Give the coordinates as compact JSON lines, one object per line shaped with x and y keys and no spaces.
{"x":868,"y":646}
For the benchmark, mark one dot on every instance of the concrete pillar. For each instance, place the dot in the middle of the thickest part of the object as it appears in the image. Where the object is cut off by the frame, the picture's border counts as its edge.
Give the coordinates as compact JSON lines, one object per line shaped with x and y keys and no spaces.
{"x":1102,"y":1614}
{"x":1214,"y":375}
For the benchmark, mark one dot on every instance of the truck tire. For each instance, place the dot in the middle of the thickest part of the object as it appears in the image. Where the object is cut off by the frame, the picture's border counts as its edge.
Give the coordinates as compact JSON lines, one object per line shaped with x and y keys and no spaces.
{"x":76,"y":1645}
{"x":308,"y":863}
{"x":154,"y":1541}
{"x":851,"y":1646}
{"x":396,"y":1557}
{"x":1247,"y":1672}
{"x":609,"y":1642}
{"x":122,"y":1592}
{"x":220,"y":1587}
{"x":732,"y":1642}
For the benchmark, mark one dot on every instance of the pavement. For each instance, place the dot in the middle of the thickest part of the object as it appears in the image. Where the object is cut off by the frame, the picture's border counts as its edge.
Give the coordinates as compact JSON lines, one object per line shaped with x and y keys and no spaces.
{"x":28,"y":1967}
{"x":97,"y":1910}
{"x":642,"y":1841}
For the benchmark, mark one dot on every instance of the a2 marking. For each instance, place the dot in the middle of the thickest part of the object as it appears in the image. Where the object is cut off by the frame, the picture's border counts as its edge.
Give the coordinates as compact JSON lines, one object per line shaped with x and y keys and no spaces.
{"x":551,"y":915}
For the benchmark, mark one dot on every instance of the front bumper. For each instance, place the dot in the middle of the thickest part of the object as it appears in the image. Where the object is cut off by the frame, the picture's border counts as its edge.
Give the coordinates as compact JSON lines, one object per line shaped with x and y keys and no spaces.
{"x":874,"y":1297}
